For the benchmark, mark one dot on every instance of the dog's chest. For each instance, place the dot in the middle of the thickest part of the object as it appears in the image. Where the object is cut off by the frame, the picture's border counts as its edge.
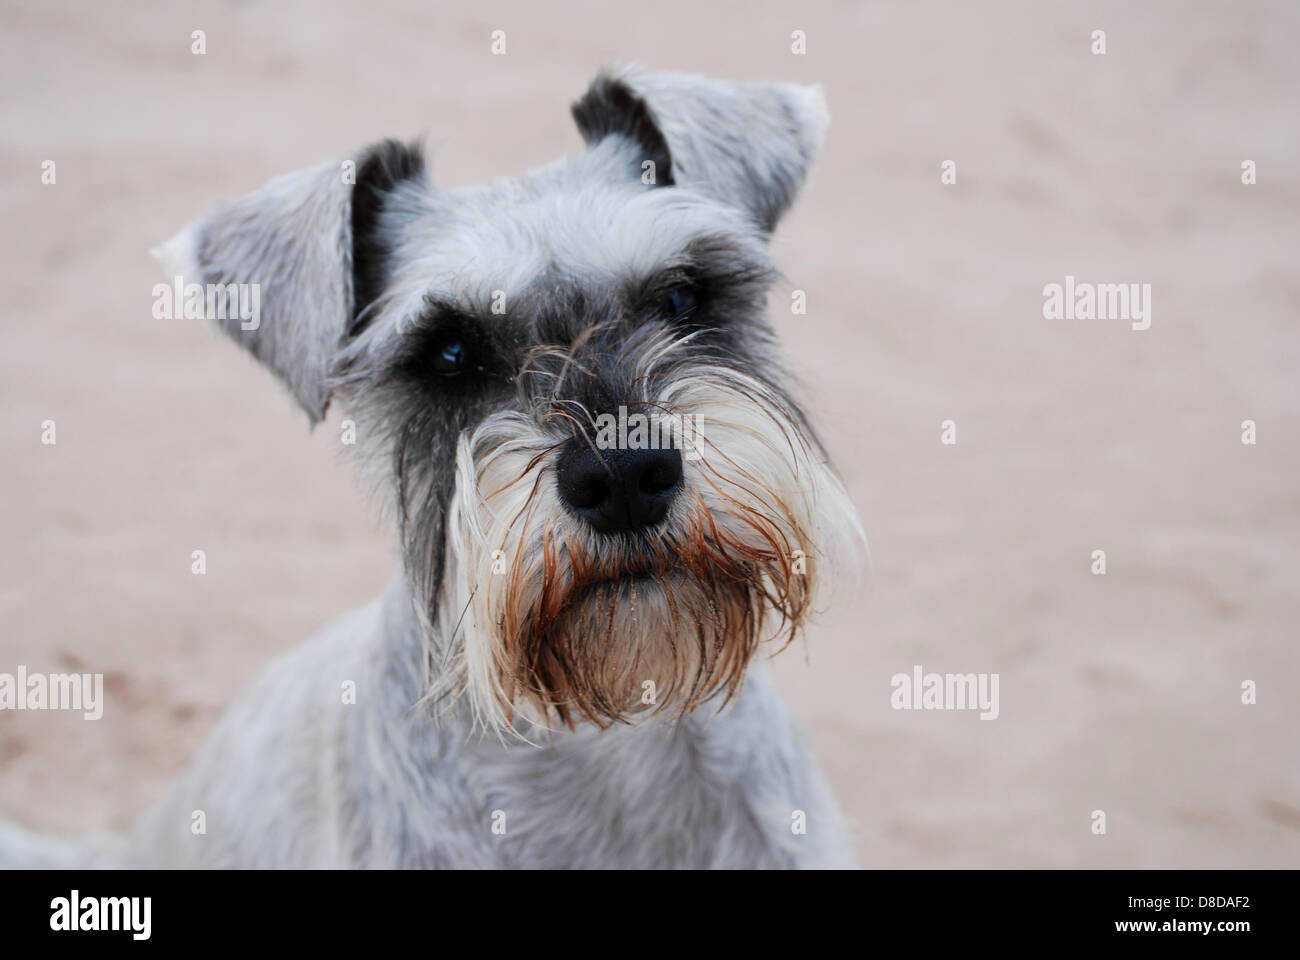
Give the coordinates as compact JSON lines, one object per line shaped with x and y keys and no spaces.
{"x":716,"y":789}
{"x":693,"y":795}
{"x":648,"y":797}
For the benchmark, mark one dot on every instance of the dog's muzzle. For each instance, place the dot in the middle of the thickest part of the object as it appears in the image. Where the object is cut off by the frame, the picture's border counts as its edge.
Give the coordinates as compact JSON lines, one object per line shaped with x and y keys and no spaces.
{"x":618,"y":491}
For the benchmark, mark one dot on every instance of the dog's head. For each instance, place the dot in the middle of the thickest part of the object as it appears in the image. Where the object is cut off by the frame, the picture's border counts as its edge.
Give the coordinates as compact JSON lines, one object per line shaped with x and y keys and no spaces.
{"x":567,"y":383}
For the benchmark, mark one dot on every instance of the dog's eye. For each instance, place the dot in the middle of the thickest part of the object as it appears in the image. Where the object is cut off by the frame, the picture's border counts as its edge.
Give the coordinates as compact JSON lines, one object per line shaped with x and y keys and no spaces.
{"x":679,"y":303}
{"x":450,"y":357}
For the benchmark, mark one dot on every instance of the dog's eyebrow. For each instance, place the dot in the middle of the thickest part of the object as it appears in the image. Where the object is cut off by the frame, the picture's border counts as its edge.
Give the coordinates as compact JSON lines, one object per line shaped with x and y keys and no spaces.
{"x":437,"y":309}
{"x":713,"y":260}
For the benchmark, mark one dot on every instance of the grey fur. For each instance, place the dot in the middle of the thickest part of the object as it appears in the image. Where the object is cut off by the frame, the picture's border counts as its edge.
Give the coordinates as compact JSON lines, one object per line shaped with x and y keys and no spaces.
{"x":748,"y":144}
{"x":380,"y":785}
{"x":444,"y":760}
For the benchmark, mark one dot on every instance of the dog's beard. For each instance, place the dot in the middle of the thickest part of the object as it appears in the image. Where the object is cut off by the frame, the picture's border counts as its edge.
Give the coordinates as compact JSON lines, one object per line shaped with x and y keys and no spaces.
{"x":543,"y":619}
{"x":598,"y":633}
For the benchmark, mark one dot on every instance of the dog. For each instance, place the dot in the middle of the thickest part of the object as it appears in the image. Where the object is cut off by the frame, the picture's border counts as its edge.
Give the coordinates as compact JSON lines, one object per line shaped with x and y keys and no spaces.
{"x":568,"y":669}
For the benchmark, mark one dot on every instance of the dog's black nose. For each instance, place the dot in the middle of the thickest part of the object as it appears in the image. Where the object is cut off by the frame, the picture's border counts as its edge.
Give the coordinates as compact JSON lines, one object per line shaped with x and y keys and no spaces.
{"x":618,"y":491}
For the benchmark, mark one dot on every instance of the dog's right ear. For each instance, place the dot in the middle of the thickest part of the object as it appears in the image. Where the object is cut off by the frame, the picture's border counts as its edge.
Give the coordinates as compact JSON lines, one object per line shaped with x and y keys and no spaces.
{"x":316,"y":243}
{"x":750,"y":145}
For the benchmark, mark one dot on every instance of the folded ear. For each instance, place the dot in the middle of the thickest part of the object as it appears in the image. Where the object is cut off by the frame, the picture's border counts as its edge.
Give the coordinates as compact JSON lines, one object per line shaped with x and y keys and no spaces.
{"x":750,"y":145}
{"x":314,"y":245}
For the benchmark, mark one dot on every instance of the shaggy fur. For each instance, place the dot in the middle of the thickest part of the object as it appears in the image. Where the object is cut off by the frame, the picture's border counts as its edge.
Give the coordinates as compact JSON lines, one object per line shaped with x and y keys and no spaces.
{"x":533,"y":691}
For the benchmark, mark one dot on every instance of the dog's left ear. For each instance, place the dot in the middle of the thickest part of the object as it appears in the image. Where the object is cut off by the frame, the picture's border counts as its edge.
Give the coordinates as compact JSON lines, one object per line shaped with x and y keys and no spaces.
{"x":316,"y":244}
{"x":750,"y":145}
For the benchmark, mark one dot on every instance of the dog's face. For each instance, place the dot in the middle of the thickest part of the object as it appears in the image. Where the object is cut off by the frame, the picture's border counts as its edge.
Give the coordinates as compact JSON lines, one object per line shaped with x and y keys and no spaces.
{"x":567,"y":384}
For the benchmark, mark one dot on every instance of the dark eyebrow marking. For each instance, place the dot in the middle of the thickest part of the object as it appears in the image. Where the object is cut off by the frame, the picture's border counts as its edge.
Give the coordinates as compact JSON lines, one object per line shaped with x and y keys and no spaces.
{"x":714,"y":267}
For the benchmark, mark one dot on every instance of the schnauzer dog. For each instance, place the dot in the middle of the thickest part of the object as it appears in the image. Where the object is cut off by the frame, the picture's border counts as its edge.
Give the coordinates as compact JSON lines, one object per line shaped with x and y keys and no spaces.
{"x":566,"y":671}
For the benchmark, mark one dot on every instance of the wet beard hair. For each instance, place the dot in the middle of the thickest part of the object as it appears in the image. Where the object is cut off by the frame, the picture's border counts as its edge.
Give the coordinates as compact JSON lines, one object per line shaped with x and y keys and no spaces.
{"x":665,"y":623}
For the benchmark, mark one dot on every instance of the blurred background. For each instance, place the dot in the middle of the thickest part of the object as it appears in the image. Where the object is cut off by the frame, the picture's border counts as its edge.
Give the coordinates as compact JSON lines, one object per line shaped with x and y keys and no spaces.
{"x":1119,"y":693}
